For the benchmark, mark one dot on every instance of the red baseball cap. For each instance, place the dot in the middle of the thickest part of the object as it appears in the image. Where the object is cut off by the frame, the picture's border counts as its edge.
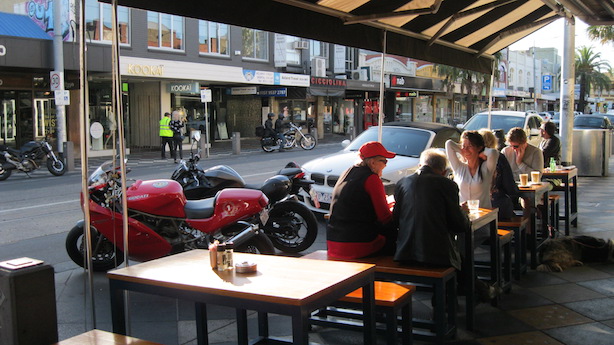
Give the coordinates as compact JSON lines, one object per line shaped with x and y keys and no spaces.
{"x":374,"y":148}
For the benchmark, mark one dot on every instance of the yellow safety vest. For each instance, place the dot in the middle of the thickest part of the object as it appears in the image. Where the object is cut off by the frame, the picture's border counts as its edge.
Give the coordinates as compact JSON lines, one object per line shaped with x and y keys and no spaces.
{"x":165,"y":129}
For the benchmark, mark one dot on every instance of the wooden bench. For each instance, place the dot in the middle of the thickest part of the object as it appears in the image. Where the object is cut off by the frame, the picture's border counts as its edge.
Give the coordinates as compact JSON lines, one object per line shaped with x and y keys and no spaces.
{"x":504,"y":241}
{"x":98,"y":337}
{"x":440,"y":281}
{"x":390,"y":299}
{"x":519,"y":226}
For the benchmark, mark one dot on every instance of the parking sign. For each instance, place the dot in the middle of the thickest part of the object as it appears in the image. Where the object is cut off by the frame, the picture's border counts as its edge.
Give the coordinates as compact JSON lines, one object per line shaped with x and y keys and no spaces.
{"x":546,"y":82}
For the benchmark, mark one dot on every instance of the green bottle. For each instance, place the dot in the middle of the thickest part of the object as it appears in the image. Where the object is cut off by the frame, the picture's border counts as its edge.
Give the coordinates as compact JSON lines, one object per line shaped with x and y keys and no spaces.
{"x":552,"y":164}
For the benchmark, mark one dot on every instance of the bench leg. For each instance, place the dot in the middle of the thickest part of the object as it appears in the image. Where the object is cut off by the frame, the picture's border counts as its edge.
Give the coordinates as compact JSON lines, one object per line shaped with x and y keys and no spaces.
{"x":391,"y":326}
{"x":406,"y":316}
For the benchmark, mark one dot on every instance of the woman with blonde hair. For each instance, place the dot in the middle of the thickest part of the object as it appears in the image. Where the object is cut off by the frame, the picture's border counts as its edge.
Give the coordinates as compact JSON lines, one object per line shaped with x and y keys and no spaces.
{"x":504,"y":192}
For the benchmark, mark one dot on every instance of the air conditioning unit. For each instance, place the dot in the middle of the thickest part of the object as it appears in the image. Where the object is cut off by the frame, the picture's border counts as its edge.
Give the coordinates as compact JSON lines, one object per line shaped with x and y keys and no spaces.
{"x":359,"y":74}
{"x":318,"y":67}
{"x":300,"y":45}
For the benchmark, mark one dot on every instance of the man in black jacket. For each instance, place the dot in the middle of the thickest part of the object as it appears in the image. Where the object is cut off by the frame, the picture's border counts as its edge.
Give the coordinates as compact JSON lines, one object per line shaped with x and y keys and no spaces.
{"x":550,"y":144}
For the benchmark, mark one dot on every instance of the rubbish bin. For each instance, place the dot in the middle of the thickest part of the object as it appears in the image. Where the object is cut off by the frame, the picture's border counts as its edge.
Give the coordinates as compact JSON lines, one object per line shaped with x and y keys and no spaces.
{"x":591,"y":151}
{"x":27,"y":303}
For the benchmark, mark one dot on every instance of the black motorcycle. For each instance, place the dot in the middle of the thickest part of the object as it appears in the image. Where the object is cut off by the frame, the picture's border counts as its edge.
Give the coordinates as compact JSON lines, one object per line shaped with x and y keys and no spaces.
{"x":29,"y":158}
{"x":292,"y":227}
{"x":293,"y":137}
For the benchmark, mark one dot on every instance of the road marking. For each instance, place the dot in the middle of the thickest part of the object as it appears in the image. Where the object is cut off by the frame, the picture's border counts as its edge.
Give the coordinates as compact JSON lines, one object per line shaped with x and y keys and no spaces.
{"x":38,"y":206}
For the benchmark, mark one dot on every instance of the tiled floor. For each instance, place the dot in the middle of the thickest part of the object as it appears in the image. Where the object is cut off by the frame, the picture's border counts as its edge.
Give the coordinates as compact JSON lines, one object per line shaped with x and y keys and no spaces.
{"x":572,"y":307}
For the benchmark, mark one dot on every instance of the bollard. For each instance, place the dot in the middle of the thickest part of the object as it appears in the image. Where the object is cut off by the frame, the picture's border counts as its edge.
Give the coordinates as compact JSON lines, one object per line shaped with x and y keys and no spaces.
{"x":236,"y":143}
{"x":27,"y":303}
{"x":69,"y":155}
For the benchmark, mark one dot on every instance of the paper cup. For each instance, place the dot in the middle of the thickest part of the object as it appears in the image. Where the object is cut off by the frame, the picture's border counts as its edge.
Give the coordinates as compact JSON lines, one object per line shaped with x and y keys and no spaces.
{"x":534,"y":176}
{"x":524,"y":179}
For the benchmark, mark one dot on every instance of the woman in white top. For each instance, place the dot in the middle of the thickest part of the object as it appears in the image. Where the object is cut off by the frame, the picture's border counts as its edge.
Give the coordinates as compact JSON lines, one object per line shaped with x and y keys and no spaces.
{"x":474,"y":172}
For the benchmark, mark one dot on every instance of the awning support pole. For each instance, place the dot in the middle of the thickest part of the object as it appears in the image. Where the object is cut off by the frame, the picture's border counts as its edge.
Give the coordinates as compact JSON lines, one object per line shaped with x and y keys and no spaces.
{"x":380,"y":120}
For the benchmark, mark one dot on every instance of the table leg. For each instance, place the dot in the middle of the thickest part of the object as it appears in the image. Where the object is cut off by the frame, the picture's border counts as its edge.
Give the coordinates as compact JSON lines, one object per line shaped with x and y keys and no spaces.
{"x":469,"y":268}
{"x":368,"y":301}
{"x":567,"y":208}
{"x":300,"y":327}
{"x":495,"y":258}
{"x":242,"y":326}
{"x":202,"y":332}
{"x":263,"y":324}
{"x":118,"y":312}
{"x":574,"y":200}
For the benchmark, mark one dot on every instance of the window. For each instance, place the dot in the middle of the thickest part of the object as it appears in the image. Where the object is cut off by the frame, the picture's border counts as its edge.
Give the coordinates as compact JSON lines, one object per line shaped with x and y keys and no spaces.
{"x":255,"y":44}
{"x":212,"y":38}
{"x":164,"y":31}
{"x":511,"y":76}
{"x":350,"y":57}
{"x":98,"y":22}
{"x":520,"y":84}
{"x":317,"y":48}
{"x":293,"y":56}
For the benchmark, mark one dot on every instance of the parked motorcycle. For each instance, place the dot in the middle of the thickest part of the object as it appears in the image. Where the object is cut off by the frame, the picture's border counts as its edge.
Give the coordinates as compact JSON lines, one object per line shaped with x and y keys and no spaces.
{"x":29,"y":158}
{"x":161,"y":221}
{"x":293,"y":138}
{"x":291,"y":226}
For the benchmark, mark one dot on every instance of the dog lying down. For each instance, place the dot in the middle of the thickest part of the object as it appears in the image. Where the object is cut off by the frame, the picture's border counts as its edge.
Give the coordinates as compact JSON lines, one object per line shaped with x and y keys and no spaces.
{"x":561,"y":253}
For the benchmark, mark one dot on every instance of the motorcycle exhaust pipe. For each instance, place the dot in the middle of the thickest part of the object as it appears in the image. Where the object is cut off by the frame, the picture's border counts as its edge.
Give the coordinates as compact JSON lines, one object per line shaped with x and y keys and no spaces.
{"x":245,"y":235}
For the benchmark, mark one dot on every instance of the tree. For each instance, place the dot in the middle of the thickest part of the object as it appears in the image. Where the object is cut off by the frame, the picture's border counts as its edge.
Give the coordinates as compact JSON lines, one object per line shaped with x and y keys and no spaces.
{"x":604,"y":33}
{"x":589,"y":67}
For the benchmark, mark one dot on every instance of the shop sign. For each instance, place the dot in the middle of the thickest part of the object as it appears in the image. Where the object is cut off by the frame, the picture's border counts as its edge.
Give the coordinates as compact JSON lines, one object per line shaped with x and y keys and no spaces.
{"x":146,"y":70}
{"x":329,"y":83}
{"x":397,"y":80}
{"x":193,"y":88}
{"x":248,"y":90}
{"x":411,"y":94}
{"x":2,"y":50}
{"x":273,"y":92}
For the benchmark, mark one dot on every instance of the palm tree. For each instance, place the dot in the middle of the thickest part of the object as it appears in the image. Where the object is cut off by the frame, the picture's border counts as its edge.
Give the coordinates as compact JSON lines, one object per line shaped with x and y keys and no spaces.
{"x":603,"y":33}
{"x":589,"y":66}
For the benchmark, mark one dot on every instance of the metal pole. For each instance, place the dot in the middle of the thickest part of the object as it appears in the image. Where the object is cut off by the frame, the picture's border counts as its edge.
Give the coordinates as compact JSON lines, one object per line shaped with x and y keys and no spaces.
{"x":58,"y":66}
{"x":85,"y":132}
{"x":534,"y":80}
{"x":380,"y":120}
{"x":492,"y":85}
{"x":118,"y":109}
{"x":567,"y":92}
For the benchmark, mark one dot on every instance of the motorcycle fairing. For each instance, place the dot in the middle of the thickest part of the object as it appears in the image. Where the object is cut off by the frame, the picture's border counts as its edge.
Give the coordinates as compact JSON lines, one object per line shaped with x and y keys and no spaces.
{"x":157,"y":197}
{"x":145,"y":243}
{"x":231,"y":205}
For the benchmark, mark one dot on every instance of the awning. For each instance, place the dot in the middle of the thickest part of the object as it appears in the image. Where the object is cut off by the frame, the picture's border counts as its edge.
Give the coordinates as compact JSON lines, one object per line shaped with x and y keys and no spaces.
{"x":461,"y":33}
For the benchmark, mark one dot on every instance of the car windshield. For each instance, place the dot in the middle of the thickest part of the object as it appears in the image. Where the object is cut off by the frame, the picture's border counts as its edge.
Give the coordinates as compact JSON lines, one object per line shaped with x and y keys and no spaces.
{"x":401,"y":140}
{"x":588,"y":122}
{"x":505,"y":122}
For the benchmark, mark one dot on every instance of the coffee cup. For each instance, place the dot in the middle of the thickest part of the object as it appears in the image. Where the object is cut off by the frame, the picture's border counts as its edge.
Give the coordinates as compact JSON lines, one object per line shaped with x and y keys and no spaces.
{"x":524,"y":179}
{"x":534,"y":176}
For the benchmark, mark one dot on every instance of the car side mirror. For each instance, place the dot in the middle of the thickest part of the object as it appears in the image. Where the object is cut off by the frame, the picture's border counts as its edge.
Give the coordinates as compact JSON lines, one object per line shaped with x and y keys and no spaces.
{"x":345,"y":143}
{"x":460,"y":125}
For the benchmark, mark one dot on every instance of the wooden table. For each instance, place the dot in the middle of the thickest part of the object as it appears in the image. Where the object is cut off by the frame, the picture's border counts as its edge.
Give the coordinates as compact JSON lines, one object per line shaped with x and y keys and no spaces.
{"x":282,"y":285}
{"x":484,"y":217}
{"x":569,"y":177}
{"x":533,"y":195}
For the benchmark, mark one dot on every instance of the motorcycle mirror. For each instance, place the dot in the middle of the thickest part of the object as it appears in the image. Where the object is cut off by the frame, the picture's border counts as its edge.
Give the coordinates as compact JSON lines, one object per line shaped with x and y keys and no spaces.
{"x":196,"y":135}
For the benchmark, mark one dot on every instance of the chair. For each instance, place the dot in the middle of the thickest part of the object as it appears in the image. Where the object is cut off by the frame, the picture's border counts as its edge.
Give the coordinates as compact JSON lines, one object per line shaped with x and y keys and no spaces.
{"x":518,"y":225}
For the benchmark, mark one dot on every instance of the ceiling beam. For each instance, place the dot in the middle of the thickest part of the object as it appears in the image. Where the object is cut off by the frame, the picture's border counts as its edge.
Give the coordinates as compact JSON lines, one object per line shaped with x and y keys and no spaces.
{"x":434,"y":8}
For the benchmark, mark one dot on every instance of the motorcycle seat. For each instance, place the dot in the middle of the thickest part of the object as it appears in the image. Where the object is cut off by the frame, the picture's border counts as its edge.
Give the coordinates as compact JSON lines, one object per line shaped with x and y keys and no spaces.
{"x":199,"y":209}
{"x":290,"y":172}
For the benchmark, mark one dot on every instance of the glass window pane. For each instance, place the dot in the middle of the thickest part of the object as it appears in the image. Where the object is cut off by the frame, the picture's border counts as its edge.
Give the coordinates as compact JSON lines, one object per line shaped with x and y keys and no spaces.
{"x":153,"y":39}
{"x":107,"y":25}
{"x":203,"y":36}
{"x":261,"y":45}
{"x":248,"y":42}
{"x":177,"y":37}
{"x":165,"y":30}
{"x":123,"y":17}
{"x":223,"y":37}
{"x":92,"y":20}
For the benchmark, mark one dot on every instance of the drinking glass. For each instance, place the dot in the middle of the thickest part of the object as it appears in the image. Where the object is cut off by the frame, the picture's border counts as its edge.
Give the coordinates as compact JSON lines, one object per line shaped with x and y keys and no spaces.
{"x":534,"y":176}
{"x":473,"y":205}
{"x":524,"y":179}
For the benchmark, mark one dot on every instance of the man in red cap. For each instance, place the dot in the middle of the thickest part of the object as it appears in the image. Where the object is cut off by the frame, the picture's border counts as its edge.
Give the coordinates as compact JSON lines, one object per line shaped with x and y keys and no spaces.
{"x":360,"y":219}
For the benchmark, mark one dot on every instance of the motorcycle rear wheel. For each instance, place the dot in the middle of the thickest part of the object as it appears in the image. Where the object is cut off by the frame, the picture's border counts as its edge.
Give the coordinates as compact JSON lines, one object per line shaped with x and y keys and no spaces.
{"x":105,"y":254}
{"x":5,"y":174}
{"x":269,"y":148}
{"x":308,"y":142}
{"x":57,"y":168}
{"x":259,"y":244}
{"x":292,"y":227}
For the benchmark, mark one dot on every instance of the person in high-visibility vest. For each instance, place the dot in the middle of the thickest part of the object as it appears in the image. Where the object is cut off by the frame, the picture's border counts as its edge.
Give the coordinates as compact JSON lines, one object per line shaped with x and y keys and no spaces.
{"x":166,"y":135}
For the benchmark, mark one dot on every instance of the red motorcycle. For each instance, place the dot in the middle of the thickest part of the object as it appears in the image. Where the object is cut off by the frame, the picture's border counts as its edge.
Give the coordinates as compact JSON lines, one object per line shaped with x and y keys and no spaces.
{"x":161,"y":221}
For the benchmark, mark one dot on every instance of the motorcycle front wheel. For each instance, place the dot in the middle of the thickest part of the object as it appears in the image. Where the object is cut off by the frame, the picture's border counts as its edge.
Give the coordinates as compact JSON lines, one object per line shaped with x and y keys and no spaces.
{"x":292,"y":227}
{"x":5,"y":174}
{"x":105,"y":255}
{"x":57,"y":167}
{"x":259,"y":244}
{"x":308,"y":142}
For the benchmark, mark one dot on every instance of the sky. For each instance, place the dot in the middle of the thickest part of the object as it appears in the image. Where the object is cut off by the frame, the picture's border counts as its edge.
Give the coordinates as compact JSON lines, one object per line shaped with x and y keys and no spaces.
{"x":552,"y":36}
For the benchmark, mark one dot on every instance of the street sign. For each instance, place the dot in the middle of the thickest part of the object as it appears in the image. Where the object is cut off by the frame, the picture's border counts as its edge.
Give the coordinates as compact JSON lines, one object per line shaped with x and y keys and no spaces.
{"x":62,"y":97}
{"x":546,"y":82}
{"x":205,"y":95}
{"x":56,"y":80}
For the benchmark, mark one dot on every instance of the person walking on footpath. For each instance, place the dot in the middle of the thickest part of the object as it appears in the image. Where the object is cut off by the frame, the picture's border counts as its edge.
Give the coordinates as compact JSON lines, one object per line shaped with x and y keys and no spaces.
{"x":176,"y":126}
{"x":166,"y":135}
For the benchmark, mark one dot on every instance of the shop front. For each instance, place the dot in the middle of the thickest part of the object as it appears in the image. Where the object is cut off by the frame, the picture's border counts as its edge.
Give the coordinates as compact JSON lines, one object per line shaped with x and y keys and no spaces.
{"x":420,"y":99}
{"x":335,"y":114}
{"x":364,"y":95}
